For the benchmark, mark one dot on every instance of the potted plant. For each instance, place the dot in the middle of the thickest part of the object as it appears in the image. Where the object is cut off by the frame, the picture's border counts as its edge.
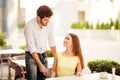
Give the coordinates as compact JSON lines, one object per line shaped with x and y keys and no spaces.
{"x":117,"y":71}
{"x":49,"y":53}
{"x":102,"y":65}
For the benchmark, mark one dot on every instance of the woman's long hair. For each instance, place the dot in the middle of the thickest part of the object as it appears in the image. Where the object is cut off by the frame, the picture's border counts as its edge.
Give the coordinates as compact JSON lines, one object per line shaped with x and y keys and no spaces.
{"x":77,"y":48}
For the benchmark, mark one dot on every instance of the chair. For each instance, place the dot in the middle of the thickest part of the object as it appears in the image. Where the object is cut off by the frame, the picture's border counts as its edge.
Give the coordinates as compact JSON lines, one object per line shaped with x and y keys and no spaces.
{"x":20,"y":71}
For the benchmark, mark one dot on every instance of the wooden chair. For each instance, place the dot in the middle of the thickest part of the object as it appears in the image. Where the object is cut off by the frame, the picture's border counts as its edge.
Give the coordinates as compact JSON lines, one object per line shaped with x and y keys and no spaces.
{"x":20,"y":71}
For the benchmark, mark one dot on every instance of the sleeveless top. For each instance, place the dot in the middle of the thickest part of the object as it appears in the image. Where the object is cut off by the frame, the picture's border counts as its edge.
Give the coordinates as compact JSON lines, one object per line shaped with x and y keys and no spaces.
{"x":66,"y":65}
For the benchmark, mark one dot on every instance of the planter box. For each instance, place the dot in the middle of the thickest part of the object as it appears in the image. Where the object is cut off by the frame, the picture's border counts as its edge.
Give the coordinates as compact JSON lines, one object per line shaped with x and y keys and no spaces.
{"x":98,"y":34}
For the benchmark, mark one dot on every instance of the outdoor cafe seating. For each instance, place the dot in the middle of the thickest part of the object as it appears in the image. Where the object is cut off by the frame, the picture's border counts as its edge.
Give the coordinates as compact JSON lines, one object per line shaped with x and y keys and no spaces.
{"x":18,"y":64}
{"x":20,"y":71}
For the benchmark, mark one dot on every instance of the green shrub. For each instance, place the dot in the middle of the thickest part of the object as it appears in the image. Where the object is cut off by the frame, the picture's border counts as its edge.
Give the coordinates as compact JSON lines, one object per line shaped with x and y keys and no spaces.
{"x":111,"y":23}
{"x":116,"y":24}
{"x":117,"y":71}
{"x":2,"y":39}
{"x":99,"y":25}
{"x":3,"y":43}
{"x":76,"y":25}
{"x":49,"y":53}
{"x":22,"y":47}
{"x":21,"y":25}
{"x":103,"y":26}
{"x":81,"y":25}
{"x":102,"y":65}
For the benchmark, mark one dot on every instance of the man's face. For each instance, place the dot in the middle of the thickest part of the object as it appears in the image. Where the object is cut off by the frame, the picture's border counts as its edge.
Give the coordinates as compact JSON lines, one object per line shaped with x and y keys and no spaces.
{"x":44,"y":21}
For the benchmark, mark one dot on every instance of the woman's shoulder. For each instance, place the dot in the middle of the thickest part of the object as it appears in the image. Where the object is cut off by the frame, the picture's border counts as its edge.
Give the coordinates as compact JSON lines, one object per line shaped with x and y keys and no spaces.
{"x":76,"y":57}
{"x":60,"y":54}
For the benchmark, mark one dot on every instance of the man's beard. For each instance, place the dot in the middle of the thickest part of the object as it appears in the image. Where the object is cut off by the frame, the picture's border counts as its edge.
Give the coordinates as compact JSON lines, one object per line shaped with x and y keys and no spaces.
{"x":43,"y":23}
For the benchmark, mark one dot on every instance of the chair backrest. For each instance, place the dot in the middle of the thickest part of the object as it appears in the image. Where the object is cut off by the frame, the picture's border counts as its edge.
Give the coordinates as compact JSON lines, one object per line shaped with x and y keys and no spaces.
{"x":19,"y":57}
{"x":20,"y":71}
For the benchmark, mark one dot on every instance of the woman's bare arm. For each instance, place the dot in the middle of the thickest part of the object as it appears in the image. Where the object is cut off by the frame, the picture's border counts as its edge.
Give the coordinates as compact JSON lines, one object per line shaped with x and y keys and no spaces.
{"x":79,"y":69}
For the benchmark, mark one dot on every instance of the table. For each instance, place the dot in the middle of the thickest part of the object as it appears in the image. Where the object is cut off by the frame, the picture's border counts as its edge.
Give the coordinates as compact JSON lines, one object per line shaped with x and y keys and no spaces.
{"x":9,"y":52}
{"x":94,"y":76}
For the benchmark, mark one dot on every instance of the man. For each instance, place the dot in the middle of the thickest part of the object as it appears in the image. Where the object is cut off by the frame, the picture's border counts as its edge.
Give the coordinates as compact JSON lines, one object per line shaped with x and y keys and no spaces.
{"x":37,"y":32}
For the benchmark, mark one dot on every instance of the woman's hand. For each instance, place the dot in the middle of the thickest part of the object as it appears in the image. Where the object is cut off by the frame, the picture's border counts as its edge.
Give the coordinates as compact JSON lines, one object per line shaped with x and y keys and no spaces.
{"x":52,"y":73}
{"x":78,"y":74}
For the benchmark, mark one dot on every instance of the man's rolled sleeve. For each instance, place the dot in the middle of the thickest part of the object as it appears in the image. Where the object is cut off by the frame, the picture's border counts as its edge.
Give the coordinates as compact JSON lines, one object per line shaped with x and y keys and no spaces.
{"x":51,"y":39}
{"x":29,"y":39}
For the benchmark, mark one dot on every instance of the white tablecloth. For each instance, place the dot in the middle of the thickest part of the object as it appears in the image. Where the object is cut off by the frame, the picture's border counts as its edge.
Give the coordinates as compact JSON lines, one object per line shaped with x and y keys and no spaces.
{"x":11,"y":51}
{"x":95,"y":76}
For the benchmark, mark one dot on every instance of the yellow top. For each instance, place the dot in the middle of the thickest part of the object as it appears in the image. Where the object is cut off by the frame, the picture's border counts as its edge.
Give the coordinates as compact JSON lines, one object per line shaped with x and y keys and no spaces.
{"x":66,"y":65}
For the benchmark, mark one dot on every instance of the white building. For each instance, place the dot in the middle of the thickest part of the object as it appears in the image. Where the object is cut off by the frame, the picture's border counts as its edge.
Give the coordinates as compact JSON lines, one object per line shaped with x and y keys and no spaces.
{"x":68,"y":11}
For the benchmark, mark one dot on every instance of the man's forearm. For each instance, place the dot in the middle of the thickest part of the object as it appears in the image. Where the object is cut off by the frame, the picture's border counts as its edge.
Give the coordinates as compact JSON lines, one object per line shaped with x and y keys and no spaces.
{"x":53,"y":49}
{"x":36,"y":58}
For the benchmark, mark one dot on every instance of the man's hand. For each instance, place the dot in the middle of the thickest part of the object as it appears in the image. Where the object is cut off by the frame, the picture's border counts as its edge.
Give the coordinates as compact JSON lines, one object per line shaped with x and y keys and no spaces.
{"x":43,"y":69}
{"x":40,"y":65}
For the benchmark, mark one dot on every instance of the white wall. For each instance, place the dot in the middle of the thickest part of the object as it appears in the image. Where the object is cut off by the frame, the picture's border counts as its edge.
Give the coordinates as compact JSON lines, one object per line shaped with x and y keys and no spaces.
{"x":32,"y":6}
{"x":65,"y":14}
{"x":66,"y":11}
{"x":12,"y":14}
{"x":0,"y":18}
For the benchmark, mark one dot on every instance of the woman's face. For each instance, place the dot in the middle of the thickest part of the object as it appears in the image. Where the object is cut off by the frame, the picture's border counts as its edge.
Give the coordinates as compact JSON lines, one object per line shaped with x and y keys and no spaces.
{"x":68,"y":41}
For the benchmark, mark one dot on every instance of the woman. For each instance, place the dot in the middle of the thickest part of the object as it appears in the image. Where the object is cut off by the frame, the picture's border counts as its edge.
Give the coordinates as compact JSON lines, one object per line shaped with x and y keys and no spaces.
{"x":70,"y":62}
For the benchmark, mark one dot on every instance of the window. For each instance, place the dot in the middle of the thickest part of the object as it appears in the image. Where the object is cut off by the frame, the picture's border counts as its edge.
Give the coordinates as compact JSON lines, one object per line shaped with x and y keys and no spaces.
{"x":81,"y":15}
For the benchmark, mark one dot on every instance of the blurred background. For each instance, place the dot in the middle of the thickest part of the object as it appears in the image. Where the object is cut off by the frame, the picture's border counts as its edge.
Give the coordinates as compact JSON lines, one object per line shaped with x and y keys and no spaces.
{"x":96,"y":22}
